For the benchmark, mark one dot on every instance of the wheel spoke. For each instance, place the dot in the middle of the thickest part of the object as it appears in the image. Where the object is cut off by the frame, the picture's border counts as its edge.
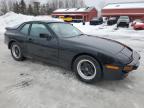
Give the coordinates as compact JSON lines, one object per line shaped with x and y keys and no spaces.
{"x":16,"y":51}
{"x":87,"y":69}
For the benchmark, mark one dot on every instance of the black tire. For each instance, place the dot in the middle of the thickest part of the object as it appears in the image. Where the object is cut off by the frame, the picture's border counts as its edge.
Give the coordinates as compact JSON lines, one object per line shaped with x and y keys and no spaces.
{"x":77,"y":67}
{"x":16,"y":52}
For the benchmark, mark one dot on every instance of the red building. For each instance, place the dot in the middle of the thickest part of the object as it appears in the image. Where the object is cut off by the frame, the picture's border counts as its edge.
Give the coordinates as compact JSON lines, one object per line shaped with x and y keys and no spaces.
{"x":80,"y":14}
{"x":133,"y":10}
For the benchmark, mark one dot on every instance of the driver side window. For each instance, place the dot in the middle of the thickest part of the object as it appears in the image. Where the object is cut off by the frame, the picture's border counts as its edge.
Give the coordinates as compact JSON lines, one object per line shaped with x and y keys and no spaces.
{"x":37,"y":29}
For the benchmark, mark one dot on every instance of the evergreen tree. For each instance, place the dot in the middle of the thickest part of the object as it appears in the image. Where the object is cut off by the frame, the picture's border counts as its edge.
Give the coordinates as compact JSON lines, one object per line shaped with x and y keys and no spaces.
{"x":16,"y":7}
{"x":43,"y":9}
{"x":30,"y":10}
{"x":49,"y":9}
{"x":23,"y":7}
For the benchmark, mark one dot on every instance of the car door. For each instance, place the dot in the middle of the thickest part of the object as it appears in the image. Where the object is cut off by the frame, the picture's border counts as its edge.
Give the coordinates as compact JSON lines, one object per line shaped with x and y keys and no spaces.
{"x":22,"y":35}
{"x":44,"y":48}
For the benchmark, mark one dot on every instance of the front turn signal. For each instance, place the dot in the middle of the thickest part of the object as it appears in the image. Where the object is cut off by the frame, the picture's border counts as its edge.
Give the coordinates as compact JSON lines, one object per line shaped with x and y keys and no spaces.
{"x":112,"y":67}
{"x":128,"y":68}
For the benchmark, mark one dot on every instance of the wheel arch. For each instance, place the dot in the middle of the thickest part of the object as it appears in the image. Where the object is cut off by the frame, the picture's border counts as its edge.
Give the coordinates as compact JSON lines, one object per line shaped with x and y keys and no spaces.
{"x":87,"y":54}
{"x":10,"y":43}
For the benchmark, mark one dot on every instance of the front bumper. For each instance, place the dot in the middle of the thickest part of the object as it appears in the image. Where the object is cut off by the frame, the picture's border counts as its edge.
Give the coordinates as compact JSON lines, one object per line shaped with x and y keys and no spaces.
{"x":135,"y":63}
{"x":121,"y":74}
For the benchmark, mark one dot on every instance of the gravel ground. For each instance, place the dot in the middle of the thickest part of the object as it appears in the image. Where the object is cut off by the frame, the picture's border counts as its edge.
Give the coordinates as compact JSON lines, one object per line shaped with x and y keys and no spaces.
{"x":33,"y":84}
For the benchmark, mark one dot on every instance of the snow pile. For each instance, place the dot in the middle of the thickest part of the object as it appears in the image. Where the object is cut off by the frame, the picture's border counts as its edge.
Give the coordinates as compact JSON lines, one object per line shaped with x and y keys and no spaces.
{"x":74,"y":10}
{"x":11,"y":19}
{"x":110,"y":31}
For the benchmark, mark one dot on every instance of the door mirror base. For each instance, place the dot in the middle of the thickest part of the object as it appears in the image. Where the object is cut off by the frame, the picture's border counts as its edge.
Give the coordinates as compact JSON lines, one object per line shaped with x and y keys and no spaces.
{"x":46,"y":36}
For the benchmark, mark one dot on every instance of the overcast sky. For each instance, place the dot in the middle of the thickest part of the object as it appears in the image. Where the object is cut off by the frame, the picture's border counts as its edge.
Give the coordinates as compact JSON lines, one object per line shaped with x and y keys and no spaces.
{"x":100,"y":3}
{"x":96,"y":3}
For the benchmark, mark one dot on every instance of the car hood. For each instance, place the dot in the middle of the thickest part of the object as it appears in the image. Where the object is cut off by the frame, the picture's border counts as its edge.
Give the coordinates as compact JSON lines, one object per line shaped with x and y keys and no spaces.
{"x":123,"y":20}
{"x":95,"y":42}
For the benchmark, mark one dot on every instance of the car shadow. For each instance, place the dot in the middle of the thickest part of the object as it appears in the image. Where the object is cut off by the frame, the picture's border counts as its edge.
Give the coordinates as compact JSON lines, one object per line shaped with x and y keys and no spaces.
{"x":115,"y":85}
{"x":110,"y":85}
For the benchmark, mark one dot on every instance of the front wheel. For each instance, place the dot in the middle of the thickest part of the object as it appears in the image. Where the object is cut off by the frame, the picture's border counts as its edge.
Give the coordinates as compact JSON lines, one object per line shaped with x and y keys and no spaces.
{"x":87,"y":69}
{"x":16,"y":52}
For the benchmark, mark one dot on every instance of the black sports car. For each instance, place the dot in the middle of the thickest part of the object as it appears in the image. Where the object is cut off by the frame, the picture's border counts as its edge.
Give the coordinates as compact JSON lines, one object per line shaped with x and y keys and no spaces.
{"x":112,"y":20}
{"x":91,"y":57}
{"x":96,"y":21}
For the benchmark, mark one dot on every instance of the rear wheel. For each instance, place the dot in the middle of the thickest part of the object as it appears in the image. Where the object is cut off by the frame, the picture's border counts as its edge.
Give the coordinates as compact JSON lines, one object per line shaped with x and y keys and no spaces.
{"x":16,"y":52}
{"x":87,"y":69}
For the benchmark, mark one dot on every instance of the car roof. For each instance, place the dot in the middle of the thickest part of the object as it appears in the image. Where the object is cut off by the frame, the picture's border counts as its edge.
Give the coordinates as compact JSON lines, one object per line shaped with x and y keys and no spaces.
{"x":124,"y":16}
{"x":44,"y":21}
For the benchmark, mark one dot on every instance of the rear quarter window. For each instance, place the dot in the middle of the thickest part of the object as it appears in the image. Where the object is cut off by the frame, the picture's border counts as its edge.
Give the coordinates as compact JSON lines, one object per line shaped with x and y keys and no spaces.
{"x":25,"y":29}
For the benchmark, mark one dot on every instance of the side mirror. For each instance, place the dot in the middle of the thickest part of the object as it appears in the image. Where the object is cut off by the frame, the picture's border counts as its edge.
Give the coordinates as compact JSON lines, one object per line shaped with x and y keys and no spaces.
{"x":46,"y":36}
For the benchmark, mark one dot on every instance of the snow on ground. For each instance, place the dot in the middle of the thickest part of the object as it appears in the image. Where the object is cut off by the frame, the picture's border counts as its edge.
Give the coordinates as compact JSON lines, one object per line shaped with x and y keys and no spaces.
{"x":33,"y":84}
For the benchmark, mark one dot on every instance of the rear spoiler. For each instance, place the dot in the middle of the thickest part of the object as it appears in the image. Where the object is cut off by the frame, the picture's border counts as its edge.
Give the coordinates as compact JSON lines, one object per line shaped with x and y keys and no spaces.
{"x":10,"y":28}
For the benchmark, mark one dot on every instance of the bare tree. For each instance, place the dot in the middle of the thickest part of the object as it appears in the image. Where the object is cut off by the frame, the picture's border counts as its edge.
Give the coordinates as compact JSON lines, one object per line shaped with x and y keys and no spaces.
{"x":74,"y":3}
{"x":66,"y":3}
{"x":82,"y":4}
{"x":61,"y":4}
{"x":4,"y":6}
{"x":10,"y":5}
{"x":35,"y":8}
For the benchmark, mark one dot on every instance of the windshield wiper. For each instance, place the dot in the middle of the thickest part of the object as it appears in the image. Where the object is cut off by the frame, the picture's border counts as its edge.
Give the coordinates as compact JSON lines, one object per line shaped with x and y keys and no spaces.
{"x":76,"y":35}
{"x":80,"y":34}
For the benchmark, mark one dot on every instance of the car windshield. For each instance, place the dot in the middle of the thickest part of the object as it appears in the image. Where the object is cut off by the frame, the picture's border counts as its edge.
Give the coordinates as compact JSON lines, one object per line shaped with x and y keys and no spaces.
{"x":124,"y":17}
{"x":112,"y":18}
{"x":95,"y":18}
{"x":139,"y":21}
{"x":65,"y":30}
